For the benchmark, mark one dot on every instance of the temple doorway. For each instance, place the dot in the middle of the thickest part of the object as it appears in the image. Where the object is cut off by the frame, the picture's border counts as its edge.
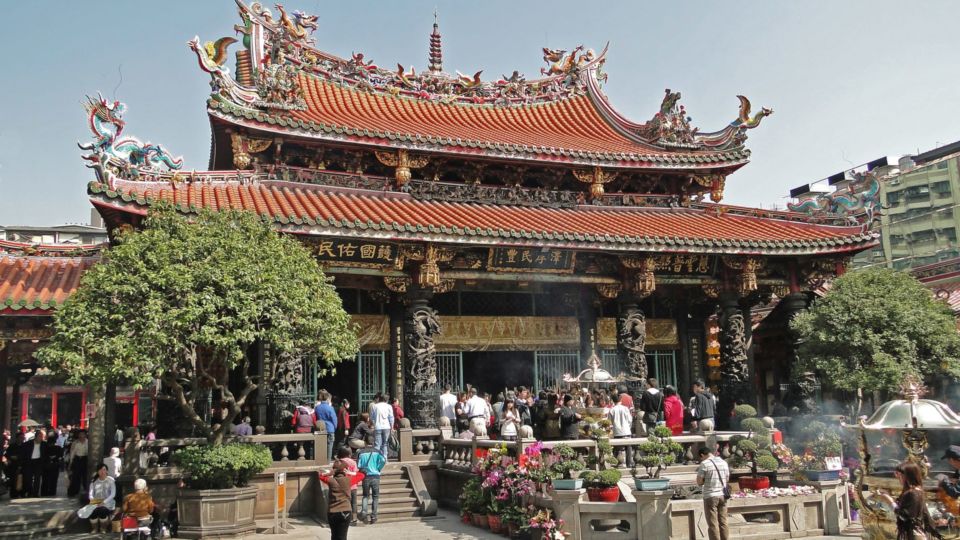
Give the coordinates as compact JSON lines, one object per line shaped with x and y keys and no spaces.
{"x":492,"y":371}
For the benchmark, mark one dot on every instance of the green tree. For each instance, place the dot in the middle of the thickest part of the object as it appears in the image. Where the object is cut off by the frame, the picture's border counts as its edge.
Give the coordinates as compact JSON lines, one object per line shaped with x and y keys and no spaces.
{"x":872,"y":329}
{"x":183,"y":301}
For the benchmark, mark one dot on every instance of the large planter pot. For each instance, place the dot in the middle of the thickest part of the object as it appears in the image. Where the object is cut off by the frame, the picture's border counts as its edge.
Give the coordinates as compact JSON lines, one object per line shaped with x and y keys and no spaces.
{"x":477,"y":519}
{"x":483,"y":522}
{"x":493,"y":521}
{"x":466,"y":518}
{"x":652,"y":484}
{"x":603,"y":494}
{"x":563,"y":483}
{"x":822,"y":476}
{"x":513,"y":530}
{"x":754,"y":482}
{"x":217,"y":513}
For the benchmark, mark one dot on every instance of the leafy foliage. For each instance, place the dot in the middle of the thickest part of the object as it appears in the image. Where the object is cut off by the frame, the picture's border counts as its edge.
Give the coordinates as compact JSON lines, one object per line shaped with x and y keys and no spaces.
{"x":744,"y":411}
{"x":601,"y":479}
{"x":183,"y":301}
{"x":658,"y":452}
{"x":753,"y":450}
{"x":567,"y":461}
{"x":874,"y":327}
{"x":222,"y":467}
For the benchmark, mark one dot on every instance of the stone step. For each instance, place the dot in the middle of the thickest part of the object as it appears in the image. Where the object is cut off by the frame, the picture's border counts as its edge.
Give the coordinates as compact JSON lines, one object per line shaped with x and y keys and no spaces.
{"x":24,"y":523}
{"x":398,"y":490}
{"x":34,"y":532}
{"x":393,"y":482}
{"x":398,"y":503}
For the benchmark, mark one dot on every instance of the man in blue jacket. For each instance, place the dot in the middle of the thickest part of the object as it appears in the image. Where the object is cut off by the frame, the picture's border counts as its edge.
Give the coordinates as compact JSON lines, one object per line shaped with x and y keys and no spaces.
{"x":325,"y":413}
{"x":371,"y":463}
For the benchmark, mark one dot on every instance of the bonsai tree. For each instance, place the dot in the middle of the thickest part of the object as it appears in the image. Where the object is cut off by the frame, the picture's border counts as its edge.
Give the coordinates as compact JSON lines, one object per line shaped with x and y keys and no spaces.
{"x":184,"y":300}
{"x":753,"y":450}
{"x":606,"y":478}
{"x":568,"y":464}
{"x":874,"y":327}
{"x":601,"y":476}
{"x":658,"y":452}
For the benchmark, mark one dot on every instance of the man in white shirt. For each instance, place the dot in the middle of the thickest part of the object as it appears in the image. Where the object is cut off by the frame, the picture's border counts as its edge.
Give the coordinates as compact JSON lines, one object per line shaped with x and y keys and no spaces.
{"x":448,"y":404}
{"x":478,"y":413}
{"x":382,"y":419}
{"x":622,"y":419}
{"x":714,"y":475}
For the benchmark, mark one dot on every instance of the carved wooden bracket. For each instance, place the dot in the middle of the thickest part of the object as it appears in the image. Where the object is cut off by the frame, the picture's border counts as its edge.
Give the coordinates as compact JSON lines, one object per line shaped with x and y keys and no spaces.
{"x":715,"y":182}
{"x":244,"y":146}
{"x":596,"y":177}
{"x":428,"y":275}
{"x":644,"y":282}
{"x":397,"y":284}
{"x":609,"y":290}
{"x":403,"y":162}
{"x":711,"y":290}
{"x":748,"y":267}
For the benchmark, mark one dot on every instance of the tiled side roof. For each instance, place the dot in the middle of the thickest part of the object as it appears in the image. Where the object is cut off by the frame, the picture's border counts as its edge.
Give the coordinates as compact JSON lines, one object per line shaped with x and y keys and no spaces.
{"x":349,"y":212}
{"x":570,"y":129}
{"x":38,"y":284}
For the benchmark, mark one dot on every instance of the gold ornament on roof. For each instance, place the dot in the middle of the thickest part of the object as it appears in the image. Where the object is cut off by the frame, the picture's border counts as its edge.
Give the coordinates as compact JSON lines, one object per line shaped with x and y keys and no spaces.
{"x":403,"y":161}
{"x":596,"y":177}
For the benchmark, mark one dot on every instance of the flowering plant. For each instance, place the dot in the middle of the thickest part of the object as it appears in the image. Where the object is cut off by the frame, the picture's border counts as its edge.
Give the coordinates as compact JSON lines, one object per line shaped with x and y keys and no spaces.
{"x":542,"y":519}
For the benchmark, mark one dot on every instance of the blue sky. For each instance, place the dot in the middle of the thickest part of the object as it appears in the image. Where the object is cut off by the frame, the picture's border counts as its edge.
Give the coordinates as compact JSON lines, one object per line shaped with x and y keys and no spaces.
{"x":849,"y":81}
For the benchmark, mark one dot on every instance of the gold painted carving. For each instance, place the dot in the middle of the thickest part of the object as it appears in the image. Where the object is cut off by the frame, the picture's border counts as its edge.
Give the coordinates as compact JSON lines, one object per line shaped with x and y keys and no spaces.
{"x":780,"y":291}
{"x":644,"y":282}
{"x":747,"y":281}
{"x":373,"y":331}
{"x":711,"y":290}
{"x":244,"y":146}
{"x":609,"y":290}
{"x":715,"y":182}
{"x":465,"y":333}
{"x":596,"y":177}
{"x":397,"y":284}
{"x":660,"y":332}
{"x":402,"y":161}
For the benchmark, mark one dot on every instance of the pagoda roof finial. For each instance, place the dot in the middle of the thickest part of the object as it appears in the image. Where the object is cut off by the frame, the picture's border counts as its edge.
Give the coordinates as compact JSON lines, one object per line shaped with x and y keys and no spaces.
{"x":436,"y":52}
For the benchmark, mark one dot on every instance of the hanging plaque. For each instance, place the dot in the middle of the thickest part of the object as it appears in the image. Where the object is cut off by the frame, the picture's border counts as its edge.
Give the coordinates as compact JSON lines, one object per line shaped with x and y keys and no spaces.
{"x":355,"y":252}
{"x":516,"y":259}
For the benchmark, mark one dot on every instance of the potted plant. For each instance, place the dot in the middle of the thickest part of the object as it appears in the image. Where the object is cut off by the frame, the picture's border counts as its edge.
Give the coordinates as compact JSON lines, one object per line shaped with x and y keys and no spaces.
{"x":825,"y":445}
{"x":514,"y":517}
{"x":494,"y":521}
{"x":470,"y":499}
{"x":602,"y":485}
{"x":656,"y":454}
{"x":566,"y":469}
{"x":753,"y":451}
{"x":218,"y":499}
{"x":541,"y":520}
{"x":601,"y":481}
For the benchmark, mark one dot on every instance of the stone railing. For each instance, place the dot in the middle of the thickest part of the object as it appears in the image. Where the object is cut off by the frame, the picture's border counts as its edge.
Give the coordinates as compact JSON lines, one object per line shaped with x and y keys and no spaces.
{"x":288,"y":449}
{"x":649,"y":515}
{"x":419,"y":445}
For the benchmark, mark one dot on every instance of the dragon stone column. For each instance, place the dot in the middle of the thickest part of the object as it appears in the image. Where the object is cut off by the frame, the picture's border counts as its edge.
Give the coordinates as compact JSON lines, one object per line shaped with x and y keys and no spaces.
{"x":631,"y":340}
{"x":800,"y":395}
{"x":420,"y":327}
{"x":734,"y":369}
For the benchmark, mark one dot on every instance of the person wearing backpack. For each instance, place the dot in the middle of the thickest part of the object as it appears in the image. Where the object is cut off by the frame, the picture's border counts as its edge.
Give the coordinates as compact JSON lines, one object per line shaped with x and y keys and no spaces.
{"x":651,"y":402}
{"x":370,"y":463}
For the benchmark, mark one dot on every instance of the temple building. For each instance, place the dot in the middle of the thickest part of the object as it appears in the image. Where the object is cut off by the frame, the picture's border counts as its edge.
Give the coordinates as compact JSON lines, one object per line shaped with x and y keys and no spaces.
{"x":494,"y":233}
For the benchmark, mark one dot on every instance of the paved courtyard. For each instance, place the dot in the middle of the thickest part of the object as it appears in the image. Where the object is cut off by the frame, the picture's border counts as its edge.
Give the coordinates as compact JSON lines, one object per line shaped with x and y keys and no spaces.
{"x":445,"y":526}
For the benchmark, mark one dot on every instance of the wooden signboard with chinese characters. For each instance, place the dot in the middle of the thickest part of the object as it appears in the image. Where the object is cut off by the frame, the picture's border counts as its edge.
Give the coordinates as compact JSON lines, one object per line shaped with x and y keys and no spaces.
{"x":515,"y":259}
{"x":355,"y":252}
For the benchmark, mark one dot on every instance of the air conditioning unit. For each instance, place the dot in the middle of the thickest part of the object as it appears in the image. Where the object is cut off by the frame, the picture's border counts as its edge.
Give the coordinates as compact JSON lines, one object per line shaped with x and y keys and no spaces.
{"x":894,"y":182}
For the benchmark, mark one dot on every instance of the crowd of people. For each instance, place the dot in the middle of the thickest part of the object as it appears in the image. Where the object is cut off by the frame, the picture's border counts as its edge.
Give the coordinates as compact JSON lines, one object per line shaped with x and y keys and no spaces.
{"x":34,"y":461}
{"x":553,"y":415}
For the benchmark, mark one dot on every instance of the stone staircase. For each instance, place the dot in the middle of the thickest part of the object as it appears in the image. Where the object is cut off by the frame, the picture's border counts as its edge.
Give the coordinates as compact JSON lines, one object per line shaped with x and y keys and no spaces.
{"x":24,"y":519}
{"x":398,"y":500}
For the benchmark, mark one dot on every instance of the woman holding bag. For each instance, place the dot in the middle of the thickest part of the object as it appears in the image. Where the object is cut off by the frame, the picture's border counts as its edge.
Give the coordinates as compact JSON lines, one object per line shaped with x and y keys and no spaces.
{"x":913,"y":521}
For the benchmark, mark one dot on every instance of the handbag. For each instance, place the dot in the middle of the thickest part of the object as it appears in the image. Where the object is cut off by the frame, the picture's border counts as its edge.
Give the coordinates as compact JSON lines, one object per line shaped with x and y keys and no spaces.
{"x":726,"y":487}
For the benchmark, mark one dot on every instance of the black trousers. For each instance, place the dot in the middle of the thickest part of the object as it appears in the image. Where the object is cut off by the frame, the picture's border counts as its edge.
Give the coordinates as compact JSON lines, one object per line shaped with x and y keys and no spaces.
{"x":339,"y":524}
{"x":32,"y":477}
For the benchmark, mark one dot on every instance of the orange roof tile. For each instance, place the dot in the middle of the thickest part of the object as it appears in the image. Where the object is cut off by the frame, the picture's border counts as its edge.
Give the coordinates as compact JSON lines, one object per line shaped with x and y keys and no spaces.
{"x":569,"y":129}
{"x":314,"y":209}
{"x":38,"y":284}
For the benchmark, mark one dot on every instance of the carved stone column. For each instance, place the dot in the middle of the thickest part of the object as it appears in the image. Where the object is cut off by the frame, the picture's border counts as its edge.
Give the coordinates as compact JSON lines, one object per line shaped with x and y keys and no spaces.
{"x":632,"y":337}
{"x":421,"y":325}
{"x":734,"y":368}
{"x":800,"y":395}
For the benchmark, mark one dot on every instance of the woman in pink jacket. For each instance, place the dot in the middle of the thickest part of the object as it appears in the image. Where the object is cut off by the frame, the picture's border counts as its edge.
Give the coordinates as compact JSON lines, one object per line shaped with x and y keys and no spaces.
{"x":673,"y":410}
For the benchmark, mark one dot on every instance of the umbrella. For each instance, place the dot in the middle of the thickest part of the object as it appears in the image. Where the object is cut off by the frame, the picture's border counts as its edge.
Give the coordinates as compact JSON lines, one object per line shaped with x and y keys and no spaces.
{"x":28,"y":423}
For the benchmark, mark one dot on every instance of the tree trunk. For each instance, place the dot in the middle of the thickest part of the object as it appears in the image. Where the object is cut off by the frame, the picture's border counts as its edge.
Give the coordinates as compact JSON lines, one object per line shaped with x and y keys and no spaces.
{"x":97,"y":433}
{"x":859,"y":403}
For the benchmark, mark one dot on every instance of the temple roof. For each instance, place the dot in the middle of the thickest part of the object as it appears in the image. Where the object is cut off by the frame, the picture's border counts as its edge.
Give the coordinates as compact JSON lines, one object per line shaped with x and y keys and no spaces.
{"x":345,"y":212}
{"x":34,"y":280}
{"x":284,"y":85}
